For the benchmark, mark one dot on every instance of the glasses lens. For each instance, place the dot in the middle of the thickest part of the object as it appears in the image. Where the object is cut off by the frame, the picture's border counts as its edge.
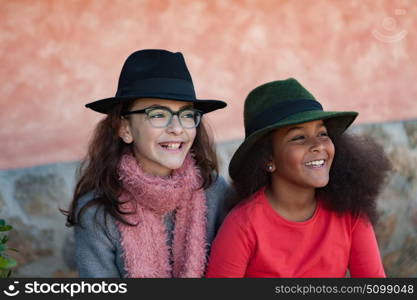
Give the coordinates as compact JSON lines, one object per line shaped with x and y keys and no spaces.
{"x":189,"y":118}
{"x":159,"y":117}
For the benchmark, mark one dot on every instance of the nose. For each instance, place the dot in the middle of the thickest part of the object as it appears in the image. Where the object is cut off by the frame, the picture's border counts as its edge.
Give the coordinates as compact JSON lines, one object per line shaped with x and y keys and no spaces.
{"x":316,"y":144}
{"x":174,"y":126}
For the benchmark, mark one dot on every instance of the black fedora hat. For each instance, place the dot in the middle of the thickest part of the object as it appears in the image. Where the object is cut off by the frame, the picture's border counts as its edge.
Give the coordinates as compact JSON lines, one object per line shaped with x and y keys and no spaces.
{"x":155,"y":73}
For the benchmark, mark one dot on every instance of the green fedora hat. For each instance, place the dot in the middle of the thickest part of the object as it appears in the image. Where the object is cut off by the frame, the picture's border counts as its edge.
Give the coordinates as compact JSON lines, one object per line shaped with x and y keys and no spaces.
{"x":280,"y":103}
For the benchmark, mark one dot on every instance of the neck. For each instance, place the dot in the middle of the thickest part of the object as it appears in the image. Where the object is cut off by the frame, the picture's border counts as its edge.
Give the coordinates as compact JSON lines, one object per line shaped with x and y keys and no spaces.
{"x":151,"y":167}
{"x":291,"y":201}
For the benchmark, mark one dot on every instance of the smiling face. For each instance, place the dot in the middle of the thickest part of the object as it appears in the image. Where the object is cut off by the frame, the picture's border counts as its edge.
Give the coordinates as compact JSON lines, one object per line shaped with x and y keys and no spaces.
{"x":159,"y":150}
{"x":302,"y":155}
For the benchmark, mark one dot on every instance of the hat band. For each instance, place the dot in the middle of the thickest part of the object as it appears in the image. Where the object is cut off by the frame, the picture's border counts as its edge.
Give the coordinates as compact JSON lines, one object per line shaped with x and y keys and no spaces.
{"x":281,"y":111}
{"x":158,"y":86}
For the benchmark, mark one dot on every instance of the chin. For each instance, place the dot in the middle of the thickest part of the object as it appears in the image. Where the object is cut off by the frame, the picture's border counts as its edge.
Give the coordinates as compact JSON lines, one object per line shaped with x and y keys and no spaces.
{"x":321,"y":184}
{"x":173,"y":165}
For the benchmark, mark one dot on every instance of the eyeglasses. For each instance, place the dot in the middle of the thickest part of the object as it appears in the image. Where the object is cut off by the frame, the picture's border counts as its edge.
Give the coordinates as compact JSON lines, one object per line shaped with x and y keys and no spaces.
{"x":161,"y":116}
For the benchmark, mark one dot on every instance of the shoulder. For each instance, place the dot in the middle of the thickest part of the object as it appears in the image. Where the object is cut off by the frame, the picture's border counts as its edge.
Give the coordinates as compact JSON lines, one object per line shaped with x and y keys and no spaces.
{"x":348,"y":219}
{"x":85,"y":199}
{"x":219,"y":191}
{"x":89,"y":210}
{"x":91,"y":215}
{"x":97,"y":246}
{"x":219,"y":186}
{"x":242,"y":220}
{"x":218,"y":198}
{"x":249,"y":208}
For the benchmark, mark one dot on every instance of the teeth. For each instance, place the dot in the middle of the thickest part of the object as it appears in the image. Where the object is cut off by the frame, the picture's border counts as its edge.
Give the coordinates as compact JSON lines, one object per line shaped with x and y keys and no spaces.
{"x":172,"y":146}
{"x":315,"y":162}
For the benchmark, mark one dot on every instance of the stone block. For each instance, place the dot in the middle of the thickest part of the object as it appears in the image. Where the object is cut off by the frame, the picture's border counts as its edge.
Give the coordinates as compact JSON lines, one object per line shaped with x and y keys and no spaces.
{"x":411,"y":130}
{"x":2,"y":204}
{"x":402,"y":262}
{"x":31,"y":242}
{"x":385,"y":229}
{"x":41,"y":195}
{"x":404,"y":162}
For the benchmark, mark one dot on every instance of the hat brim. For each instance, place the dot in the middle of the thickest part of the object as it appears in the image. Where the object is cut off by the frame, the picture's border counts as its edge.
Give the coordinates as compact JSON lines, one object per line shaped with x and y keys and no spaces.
{"x":106,"y":105}
{"x":336,"y":123}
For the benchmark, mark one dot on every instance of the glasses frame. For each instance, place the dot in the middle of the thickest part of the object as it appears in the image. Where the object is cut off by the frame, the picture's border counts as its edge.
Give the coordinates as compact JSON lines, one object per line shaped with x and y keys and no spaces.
{"x":173,"y":113}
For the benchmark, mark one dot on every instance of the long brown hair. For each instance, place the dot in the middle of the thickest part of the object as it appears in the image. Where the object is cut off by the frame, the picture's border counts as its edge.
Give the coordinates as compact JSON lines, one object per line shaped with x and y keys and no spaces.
{"x":98,"y":170}
{"x":358,"y":172}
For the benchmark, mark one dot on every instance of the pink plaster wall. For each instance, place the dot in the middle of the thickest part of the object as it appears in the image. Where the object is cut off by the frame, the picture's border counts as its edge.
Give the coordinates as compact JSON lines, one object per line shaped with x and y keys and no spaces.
{"x":58,"y":55}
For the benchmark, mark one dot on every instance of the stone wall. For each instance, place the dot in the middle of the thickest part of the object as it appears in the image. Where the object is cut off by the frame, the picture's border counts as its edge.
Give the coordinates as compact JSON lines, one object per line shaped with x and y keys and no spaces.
{"x":30,"y":198}
{"x":397,"y":229}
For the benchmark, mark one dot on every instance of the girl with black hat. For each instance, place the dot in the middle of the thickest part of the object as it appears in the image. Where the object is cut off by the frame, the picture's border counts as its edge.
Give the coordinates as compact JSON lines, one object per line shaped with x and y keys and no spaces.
{"x":149,"y":200}
{"x":309,"y":191}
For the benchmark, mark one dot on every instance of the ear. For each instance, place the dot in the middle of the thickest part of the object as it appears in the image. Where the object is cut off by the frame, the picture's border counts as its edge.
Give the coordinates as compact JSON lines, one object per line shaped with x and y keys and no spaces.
{"x":124,"y":131}
{"x":270,"y":166}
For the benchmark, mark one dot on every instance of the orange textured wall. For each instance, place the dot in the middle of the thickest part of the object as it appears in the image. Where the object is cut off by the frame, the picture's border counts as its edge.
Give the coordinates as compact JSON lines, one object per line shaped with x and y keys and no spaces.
{"x":58,"y":55}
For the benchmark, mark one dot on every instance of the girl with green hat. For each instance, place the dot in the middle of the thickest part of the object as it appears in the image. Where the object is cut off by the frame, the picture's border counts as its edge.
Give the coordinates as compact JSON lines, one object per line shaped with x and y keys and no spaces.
{"x":309,"y":192}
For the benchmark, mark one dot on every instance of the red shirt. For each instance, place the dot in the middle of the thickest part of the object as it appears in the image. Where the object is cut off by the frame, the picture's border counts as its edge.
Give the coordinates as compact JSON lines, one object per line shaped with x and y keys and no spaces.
{"x":255,"y":241}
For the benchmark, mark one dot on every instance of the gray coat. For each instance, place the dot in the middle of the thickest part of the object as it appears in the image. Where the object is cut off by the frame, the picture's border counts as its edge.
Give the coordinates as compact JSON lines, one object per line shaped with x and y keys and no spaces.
{"x":98,"y":251}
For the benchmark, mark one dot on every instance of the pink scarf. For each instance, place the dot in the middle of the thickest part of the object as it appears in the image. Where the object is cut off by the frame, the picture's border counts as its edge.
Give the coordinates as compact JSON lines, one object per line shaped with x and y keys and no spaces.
{"x":150,"y":198}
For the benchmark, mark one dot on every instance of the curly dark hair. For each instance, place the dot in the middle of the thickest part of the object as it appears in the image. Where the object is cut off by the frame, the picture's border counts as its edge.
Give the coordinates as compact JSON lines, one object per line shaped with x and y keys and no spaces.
{"x":358,"y":172}
{"x":98,"y":170}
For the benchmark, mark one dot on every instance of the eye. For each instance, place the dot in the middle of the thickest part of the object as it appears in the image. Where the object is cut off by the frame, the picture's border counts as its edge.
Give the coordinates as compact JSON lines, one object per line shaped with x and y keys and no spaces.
{"x":157,"y":114}
{"x":324,"y":133}
{"x":298,"y":138}
{"x":188,"y":114}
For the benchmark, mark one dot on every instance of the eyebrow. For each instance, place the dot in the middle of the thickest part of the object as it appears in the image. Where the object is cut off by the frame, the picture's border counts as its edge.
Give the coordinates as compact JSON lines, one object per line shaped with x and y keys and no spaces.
{"x":187,"y":106}
{"x":301,"y":127}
